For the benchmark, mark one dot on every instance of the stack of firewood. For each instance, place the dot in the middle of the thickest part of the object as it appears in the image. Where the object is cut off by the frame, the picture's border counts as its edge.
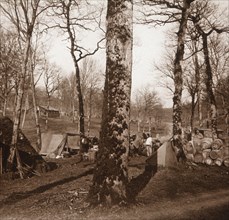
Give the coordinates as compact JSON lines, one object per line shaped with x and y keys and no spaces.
{"x":208,"y":151}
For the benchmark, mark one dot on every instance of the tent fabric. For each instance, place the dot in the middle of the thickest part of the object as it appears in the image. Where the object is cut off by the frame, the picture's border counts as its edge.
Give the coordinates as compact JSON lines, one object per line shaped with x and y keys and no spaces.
{"x":61,"y":146}
{"x":54,"y":144}
{"x":164,"y":156}
{"x":73,"y":141}
{"x":50,"y":142}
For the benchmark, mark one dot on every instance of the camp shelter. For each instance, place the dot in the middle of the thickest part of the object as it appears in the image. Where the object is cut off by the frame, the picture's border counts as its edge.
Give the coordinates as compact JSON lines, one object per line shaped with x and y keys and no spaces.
{"x":54,"y":144}
{"x":73,"y":141}
{"x":164,"y":157}
{"x":50,"y":142}
{"x":30,"y":159}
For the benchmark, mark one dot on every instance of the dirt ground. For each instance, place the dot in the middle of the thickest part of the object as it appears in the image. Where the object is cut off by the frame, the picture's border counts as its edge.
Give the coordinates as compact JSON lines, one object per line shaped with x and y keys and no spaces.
{"x":187,"y":192}
{"x":197,"y":192}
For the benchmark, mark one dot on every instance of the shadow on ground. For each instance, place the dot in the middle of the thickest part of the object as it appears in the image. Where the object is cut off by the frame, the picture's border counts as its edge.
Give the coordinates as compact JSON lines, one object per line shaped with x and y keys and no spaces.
{"x":18,"y":196}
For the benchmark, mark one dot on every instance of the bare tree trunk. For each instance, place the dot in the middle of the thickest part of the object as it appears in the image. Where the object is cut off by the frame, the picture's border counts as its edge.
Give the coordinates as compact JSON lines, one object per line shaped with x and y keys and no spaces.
{"x":192,"y":112}
{"x":23,"y":15}
{"x":89,"y":112}
{"x":25,"y":110}
{"x":80,"y":102}
{"x":80,"y":99}
{"x":138,"y":126}
{"x":15,"y":101}
{"x":139,"y":123}
{"x":23,"y":118}
{"x":36,"y":112}
{"x":208,"y":74}
{"x":47,"y":114}
{"x":4,"y":106}
{"x":18,"y":108}
{"x":150,"y":130}
{"x":209,"y":85}
{"x":200,"y":114}
{"x":5,"y":96}
{"x":227,"y":120}
{"x":198,"y":86}
{"x":79,"y":94}
{"x":77,"y":72}
{"x":73,"y":112}
{"x":111,"y":176}
{"x":226,"y":113}
{"x":178,"y":81}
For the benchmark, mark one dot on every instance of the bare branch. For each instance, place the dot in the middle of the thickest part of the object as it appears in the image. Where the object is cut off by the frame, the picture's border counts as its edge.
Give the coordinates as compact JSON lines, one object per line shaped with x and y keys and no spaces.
{"x":91,"y":53}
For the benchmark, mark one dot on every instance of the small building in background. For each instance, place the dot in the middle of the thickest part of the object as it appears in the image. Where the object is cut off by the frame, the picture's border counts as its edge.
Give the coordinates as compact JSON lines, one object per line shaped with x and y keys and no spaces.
{"x":51,"y":112}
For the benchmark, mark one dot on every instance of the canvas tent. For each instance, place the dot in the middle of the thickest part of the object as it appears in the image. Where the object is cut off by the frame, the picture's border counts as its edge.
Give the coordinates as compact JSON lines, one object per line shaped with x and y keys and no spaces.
{"x":54,"y":144}
{"x":164,"y":157}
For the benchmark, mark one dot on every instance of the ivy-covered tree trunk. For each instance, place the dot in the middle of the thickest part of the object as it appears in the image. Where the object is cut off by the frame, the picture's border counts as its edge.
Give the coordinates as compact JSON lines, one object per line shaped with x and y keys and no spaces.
{"x":111,"y":177}
{"x":178,"y":81}
{"x":208,"y":77}
{"x":198,"y":83}
{"x":209,"y":87}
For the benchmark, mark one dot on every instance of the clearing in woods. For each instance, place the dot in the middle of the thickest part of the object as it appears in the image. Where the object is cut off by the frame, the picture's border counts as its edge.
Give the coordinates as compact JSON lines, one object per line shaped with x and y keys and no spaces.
{"x":186,"y":192}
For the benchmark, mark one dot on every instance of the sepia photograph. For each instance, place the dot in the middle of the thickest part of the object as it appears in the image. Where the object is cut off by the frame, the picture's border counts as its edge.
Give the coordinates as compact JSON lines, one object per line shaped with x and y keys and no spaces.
{"x":114,"y":109}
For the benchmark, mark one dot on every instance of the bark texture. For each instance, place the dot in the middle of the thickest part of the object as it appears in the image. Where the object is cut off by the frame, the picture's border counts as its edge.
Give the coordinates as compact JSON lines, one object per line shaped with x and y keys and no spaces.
{"x":209,"y":86}
{"x":208,"y":79}
{"x":76,"y":65}
{"x":26,"y":30}
{"x":111,"y":176}
{"x":178,"y":81}
{"x":17,"y":116}
{"x":197,"y":88}
{"x":35,"y":109}
{"x":80,"y":99}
